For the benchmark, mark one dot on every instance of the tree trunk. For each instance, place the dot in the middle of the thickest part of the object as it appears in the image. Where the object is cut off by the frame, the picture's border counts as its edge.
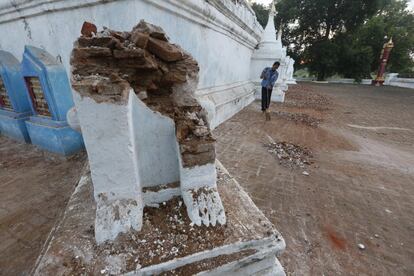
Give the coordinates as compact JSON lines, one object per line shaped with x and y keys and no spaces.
{"x":321,"y":75}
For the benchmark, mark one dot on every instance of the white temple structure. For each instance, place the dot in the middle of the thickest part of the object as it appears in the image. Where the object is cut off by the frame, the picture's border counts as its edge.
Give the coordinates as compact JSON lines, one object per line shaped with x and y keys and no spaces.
{"x":141,"y":145}
{"x":290,"y":70}
{"x":270,"y":50}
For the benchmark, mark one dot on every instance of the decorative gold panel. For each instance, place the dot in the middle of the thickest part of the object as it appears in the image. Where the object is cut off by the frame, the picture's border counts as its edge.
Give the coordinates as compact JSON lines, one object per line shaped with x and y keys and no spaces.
{"x":38,"y":96}
{"x":4,"y":98}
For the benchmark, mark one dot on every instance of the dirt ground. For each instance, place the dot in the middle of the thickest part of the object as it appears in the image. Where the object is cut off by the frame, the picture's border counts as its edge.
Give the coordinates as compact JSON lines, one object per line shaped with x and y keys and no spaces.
{"x":360,"y":187}
{"x":34,"y":189}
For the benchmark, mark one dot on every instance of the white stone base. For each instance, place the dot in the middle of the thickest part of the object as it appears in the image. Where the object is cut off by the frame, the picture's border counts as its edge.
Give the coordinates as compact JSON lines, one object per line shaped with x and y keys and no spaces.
{"x":250,"y":244}
{"x":400,"y":82}
{"x":223,"y":102}
{"x":278,"y":95}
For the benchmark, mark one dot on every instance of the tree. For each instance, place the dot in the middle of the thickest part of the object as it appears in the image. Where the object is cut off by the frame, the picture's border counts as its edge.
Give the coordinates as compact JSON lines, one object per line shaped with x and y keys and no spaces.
{"x":393,"y":21}
{"x":316,"y":23}
{"x":322,"y":58}
{"x":353,"y":60}
{"x":345,"y":36}
{"x":262,"y":13}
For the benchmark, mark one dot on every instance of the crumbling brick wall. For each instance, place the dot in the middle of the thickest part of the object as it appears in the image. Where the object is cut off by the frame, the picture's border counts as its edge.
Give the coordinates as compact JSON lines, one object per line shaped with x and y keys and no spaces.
{"x":108,"y":67}
{"x":106,"y":64}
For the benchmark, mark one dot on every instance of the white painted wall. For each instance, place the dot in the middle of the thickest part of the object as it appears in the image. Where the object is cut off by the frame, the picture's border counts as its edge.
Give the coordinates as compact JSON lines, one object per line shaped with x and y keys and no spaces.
{"x":392,"y":79}
{"x":220,"y":34}
{"x":350,"y":81}
{"x":402,"y":82}
{"x":106,"y":129}
{"x":155,"y":145}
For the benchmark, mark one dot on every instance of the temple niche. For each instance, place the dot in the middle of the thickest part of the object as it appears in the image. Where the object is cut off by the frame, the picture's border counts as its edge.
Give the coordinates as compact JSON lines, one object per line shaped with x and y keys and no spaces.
{"x":48,"y":88}
{"x":14,"y":103}
{"x":290,"y":71}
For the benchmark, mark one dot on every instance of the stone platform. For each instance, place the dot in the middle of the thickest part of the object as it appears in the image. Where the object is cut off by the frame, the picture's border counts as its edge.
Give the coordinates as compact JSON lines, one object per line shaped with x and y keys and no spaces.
{"x":168,"y":244}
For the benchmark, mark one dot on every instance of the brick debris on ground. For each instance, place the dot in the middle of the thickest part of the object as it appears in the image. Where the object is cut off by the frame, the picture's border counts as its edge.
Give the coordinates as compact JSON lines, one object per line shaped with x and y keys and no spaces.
{"x":360,"y":189}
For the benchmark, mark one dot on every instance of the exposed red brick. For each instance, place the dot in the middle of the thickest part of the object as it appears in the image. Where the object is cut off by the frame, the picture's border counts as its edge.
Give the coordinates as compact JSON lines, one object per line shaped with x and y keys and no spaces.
{"x":164,"y":50}
{"x":108,"y":65}
{"x":129,"y":53}
{"x":140,"y":39}
{"x":92,"y":52}
{"x":88,"y":29}
{"x":152,"y":30}
{"x":106,"y":41}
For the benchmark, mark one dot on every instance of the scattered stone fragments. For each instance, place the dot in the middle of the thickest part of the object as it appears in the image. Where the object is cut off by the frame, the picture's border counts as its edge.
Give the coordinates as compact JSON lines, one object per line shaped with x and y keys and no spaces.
{"x":298,"y":118}
{"x":88,"y":29}
{"x":361,"y":246}
{"x":165,"y":236}
{"x":307,"y":97}
{"x":169,"y":243}
{"x":290,"y":155}
{"x":129,"y":84}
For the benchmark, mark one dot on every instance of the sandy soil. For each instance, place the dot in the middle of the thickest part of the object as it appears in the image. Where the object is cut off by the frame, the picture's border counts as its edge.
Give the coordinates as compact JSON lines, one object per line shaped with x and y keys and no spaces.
{"x":34,"y":189}
{"x":360,"y":188}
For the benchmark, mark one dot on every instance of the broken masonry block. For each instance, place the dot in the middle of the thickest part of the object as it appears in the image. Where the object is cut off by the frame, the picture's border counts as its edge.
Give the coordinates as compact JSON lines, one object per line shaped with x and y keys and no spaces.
{"x":90,"y":52}
{"x":135,"y":142}
{"x":102,"y":108}
{"x":105,"y":41}
{"x":152,"y":30}
{"x":88,"y":29}
{"x":140,"y":39}
{"x":164,"y":50}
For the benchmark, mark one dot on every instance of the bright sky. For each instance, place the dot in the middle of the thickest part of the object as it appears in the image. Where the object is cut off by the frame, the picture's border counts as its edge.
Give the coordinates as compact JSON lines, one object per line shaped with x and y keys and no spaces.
{"x":267,"y":2}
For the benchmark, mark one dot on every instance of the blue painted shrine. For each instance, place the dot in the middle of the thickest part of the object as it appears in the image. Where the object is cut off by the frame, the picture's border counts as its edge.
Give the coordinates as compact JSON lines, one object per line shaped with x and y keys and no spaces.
{"x":50,"y":96}
{"x":14,"y":104}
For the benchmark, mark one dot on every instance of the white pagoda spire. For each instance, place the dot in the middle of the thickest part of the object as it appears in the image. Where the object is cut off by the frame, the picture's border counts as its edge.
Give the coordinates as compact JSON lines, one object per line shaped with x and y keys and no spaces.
{"x":270,"y":30}
{"x":269,"y":50}
{"x":270,"y":42}
{"x":279,"y":38}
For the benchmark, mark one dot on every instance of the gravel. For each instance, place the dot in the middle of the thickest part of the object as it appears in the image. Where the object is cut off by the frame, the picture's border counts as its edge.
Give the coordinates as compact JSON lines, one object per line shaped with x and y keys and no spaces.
{"x":290,"y":155}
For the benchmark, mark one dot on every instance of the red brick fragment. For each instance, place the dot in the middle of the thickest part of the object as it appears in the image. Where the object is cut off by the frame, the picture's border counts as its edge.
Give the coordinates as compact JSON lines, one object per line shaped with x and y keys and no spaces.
{"x":152,"y":30}
{"x":88,"y":29}
{"x":88,"y":52}
{"x":121,"y":36}
{"x":164,"y":50}
{"x":105,"y":41}
{"x":140,"y":39}
{"x":129,"y":53}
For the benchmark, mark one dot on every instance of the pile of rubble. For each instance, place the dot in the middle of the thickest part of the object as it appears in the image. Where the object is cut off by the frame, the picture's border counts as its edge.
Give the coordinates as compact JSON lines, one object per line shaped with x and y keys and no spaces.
{"x":300,"y":88}
{"x":299,"y":118}
{"x":290,"y":155}
{"x":300,"y":96}
{"x":171,"y":232}
{"x":107,"y":64}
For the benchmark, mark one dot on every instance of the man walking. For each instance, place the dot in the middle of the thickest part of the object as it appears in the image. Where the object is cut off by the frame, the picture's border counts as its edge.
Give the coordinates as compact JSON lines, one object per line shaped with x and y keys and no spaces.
{"x":269,"y":77}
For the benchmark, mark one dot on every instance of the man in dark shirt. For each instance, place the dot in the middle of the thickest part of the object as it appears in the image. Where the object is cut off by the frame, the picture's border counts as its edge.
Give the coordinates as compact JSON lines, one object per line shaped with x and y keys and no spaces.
{"x":269,"y":77}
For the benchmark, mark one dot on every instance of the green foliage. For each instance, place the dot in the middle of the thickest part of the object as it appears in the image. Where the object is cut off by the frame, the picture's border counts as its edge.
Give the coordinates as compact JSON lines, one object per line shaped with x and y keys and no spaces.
{"x":346,"y":36}
{"x":396,"y":22}
{"x":322,"y":57}
{"x":261,"y":13}
{"x":354,"y":62}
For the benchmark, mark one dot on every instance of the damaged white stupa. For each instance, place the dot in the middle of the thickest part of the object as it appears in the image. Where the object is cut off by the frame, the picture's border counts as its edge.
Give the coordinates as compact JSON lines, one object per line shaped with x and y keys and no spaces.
{"x":146,"y":135}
